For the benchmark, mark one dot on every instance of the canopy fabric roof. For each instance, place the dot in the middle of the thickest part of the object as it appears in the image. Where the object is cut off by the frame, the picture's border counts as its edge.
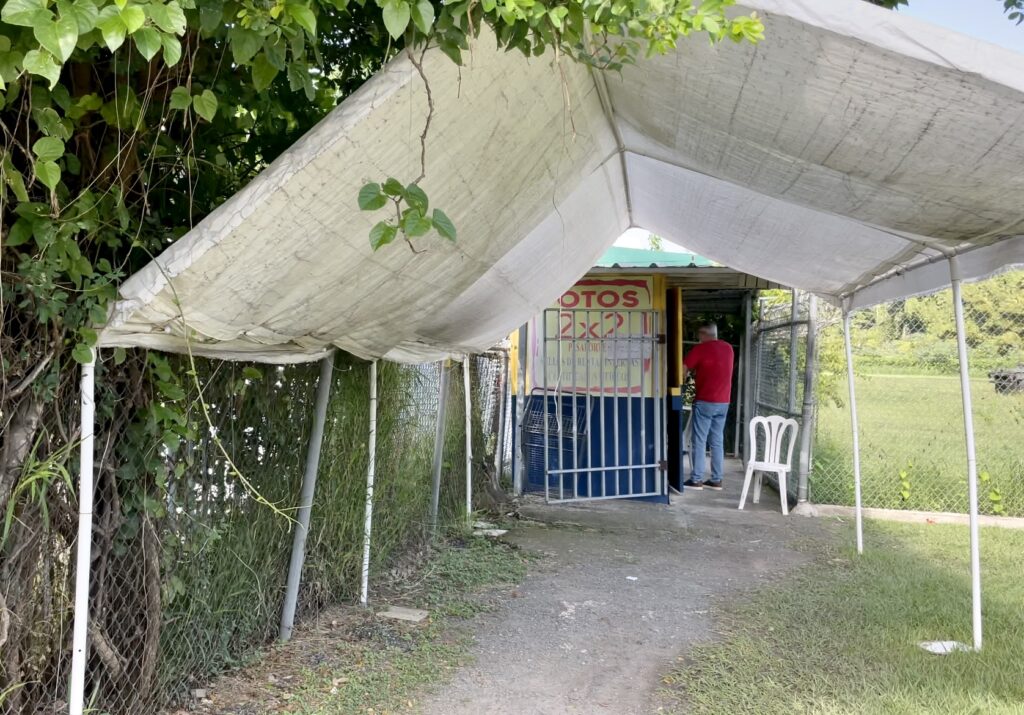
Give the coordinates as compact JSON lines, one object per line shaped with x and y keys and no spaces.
{"x":846,"y":155}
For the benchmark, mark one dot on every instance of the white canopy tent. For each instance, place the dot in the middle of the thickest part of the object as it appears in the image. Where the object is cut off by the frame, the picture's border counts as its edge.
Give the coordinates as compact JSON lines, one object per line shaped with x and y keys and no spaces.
{"x":849,"y":154}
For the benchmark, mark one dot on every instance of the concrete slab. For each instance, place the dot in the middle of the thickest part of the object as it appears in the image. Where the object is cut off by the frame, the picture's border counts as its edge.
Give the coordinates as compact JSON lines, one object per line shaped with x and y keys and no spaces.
{"x":400,"y":613}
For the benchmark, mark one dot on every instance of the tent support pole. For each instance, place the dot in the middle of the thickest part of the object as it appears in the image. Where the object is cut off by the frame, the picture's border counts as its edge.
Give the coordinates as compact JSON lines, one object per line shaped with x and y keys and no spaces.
{"x":83,"y":561}
{"x":467,"y":385}
{"x":364,"y":589}
{"x":810,"y":374}
{"x":316,"y":438}
{"x":972,"y":464}
{"x":858,"y":506}
{"x":442,"y":408}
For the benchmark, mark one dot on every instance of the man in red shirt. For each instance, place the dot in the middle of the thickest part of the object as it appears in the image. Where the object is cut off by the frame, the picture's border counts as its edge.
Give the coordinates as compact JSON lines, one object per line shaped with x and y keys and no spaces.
{"x":711,"y":363}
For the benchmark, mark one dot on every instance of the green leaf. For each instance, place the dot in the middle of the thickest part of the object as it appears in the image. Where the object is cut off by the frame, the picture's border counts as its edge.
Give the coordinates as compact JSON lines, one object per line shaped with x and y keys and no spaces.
{"x":263,"y":72}
{"x":444,"y":225}
{"x":211,"y":14}
{"x":134,"y":17}
{"x":172,"y":49}
{"x":276,"y":53}
{"x":13,"y":178}
{"x":21,"y":232}
{"x":393,"y":187}
{"x":303,"y":16}
{"x":82,"y":354}
{"x":205,"y":105}
{"x":147,"y":42}
{"x":169,"y":18}
{"x":396,"y":17}
{"x":180,"y":98}
{"x":120,"y":355}
{"x":423,"y":16}
{"x":251,"y":373}
{"x":58,"y":37}
{"x":48,"y":149}
{"x":88,"y":336}
{"x":86,"y":13}
{"x":382,"y":234}
{"x":370,"y":197}
{"x":244,"y":44}
{"x":49,"y":173}
{"x":113,"y":30}
{"x":25,"y":13}
{"x":416,"y":224}
{"x":41,"y":62}
{"x":417,"y":198}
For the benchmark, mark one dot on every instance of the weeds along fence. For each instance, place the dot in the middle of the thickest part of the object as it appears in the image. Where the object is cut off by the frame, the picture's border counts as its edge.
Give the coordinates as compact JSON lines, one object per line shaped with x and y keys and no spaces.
{"x":189,"y":565}
{"x":909,"y":402}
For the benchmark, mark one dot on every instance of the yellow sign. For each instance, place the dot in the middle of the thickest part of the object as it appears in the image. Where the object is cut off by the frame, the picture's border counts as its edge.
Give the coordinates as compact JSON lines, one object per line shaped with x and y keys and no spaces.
{"x":599,"y":339}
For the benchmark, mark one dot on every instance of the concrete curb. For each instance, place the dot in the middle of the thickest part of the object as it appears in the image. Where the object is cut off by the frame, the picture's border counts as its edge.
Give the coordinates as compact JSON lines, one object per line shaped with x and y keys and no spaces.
{"x":909,"y":517}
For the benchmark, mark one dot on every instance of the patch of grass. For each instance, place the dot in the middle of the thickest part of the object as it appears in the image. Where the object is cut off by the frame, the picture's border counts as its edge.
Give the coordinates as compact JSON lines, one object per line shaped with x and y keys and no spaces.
{"x":913,"y":424}
{"x":389,"y":670}
{"x":841,"y":636}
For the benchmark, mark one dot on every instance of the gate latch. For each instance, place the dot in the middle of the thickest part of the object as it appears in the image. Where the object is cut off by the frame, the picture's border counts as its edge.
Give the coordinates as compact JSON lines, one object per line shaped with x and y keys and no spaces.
{"x":663,"y":465}
{"x":662,"y":339}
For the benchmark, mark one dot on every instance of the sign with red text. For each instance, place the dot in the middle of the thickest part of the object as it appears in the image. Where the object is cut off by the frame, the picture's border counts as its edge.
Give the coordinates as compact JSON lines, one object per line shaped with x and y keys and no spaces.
{"x":599,"y":339}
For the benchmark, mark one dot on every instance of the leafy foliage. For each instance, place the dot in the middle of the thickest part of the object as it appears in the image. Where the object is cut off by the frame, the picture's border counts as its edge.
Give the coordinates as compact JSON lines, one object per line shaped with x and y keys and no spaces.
{"x":413,"y":221}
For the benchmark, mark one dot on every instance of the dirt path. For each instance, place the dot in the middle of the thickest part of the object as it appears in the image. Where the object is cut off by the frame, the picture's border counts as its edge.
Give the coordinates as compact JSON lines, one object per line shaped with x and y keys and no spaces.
{"x":624,"y":590}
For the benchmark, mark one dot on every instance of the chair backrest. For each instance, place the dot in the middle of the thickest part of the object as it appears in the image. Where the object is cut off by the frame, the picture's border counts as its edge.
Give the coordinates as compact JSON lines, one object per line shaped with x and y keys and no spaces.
{"x":776,"y":430}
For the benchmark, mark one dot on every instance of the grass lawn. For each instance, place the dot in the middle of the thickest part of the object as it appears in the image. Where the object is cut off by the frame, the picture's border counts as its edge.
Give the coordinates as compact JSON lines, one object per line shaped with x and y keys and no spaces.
{"x":914,"y":424}
{"x":840,"y":636}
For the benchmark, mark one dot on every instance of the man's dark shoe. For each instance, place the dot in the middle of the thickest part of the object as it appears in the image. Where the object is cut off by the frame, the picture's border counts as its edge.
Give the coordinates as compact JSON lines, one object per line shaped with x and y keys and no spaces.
{"x":717,"y":486}
{"x":690,"y":484}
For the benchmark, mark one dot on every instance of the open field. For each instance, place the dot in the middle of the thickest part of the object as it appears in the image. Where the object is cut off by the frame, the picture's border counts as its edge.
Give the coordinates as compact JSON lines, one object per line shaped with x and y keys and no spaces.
{"x":912,"y":446}
{"x":781,"y":653}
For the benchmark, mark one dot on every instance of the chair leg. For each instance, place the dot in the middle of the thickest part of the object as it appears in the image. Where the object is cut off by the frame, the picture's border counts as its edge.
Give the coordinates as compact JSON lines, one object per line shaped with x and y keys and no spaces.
{"x":757,"y":487}
{"x":783,"y":493}
{"x":746,"y":485}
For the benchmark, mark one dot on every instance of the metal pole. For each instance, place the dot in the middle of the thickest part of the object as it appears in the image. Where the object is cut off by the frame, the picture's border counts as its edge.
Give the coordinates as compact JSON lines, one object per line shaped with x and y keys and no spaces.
{"x":467,"y":389}
{"x":748,"y":370}
{"x":972,"y":465}
{"x":858,"y":506}
{"x":517,"y":434}
{"x":741,"y":370}
{"x":810,"y":373}
{"x":442,"y":405}
{"x":364,"y":590}
{"x":79,"y":643}
{"x":316,"y":439}
{"x":793,"y":347}
{"x":499,"y":438}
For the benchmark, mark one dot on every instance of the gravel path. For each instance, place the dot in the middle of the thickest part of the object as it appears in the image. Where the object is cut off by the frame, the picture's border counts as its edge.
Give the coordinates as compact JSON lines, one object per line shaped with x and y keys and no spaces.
{"x":624,"y":589}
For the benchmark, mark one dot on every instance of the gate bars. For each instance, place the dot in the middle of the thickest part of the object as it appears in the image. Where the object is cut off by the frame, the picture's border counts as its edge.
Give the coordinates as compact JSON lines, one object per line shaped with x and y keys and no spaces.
{"x":627,"y":373}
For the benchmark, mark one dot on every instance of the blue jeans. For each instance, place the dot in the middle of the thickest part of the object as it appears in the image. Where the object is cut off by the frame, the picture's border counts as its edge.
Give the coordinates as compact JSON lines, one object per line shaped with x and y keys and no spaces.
{"x":709,"y":428}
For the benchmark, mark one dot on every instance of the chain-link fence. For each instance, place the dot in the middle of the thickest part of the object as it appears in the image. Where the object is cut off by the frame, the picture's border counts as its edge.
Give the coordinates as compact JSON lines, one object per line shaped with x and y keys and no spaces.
{"x":779,"y":361}
{"x":190,"y":558}
{"x":909,"y":402}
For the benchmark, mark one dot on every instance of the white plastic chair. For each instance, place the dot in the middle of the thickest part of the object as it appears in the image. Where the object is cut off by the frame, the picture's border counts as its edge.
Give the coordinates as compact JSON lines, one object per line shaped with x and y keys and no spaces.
{"x":776,"y":430}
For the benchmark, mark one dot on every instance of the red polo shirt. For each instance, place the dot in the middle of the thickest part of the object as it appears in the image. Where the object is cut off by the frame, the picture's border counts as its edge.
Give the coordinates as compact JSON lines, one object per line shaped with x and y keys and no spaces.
{"x":711,"y":363}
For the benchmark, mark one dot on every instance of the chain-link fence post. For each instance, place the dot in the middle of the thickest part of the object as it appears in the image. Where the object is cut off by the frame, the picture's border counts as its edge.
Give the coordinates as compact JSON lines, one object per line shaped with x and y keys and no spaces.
{"x":316,"y":440}
{"x":810,"y":377}
{"x":438,"y":462}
